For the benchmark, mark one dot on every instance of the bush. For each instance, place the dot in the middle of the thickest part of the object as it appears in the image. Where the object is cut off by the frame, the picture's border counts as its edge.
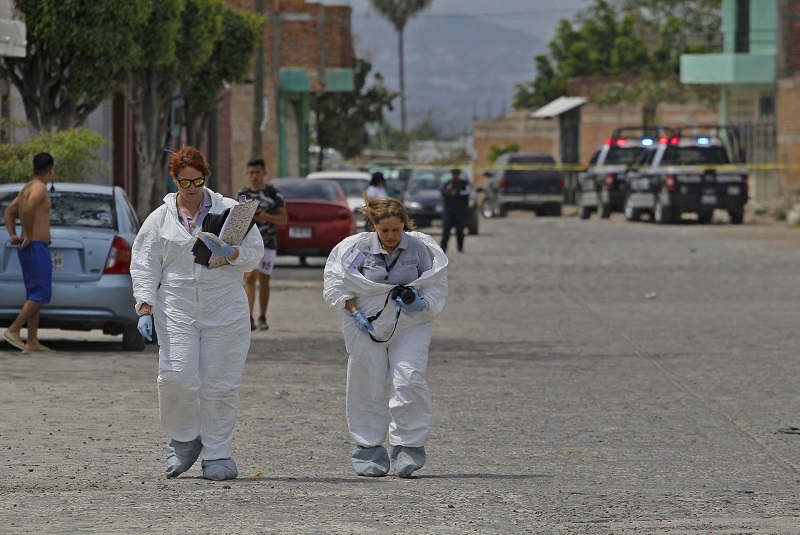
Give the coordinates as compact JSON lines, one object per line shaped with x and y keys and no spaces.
{"x":75,"y":152}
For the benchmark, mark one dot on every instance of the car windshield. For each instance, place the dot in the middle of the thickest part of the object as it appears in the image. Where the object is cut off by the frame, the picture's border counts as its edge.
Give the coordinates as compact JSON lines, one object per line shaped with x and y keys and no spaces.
{"x":430,"y":179}
{"x":76,"y":209}
{"x":676,"y":155}
{"x":623,"y":155}
{"x":308,"y":190}
{"x":352,"y":187}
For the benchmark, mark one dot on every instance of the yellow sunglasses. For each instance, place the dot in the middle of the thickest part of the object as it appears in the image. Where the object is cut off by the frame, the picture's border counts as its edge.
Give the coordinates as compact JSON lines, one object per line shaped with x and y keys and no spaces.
{"x":185,"y":182}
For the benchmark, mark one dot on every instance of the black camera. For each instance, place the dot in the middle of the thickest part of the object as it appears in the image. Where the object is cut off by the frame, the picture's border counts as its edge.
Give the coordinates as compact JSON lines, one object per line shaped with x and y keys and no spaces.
{"x":405,"y":293}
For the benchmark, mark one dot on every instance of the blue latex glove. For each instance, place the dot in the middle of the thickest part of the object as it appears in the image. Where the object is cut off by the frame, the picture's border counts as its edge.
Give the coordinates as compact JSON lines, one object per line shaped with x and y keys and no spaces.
{"x":146,"y":326}
{"x":362,"y":322}
{"x":417,"y":305}
{"x":220,"y":250}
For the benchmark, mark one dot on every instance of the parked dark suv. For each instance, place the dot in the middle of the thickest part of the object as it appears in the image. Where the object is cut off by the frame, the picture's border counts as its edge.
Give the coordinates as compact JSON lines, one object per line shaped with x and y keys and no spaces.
{"x":524,"y":181}
{"x":423,"y":198}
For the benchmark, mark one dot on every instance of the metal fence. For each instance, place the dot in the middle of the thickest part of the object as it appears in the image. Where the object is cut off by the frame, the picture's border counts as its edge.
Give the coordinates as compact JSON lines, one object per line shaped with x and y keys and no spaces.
{"x":759,"y":143}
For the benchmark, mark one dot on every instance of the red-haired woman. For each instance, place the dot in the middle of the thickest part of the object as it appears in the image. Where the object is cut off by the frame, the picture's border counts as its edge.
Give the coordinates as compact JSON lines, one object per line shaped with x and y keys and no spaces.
{"x":201,"y":316}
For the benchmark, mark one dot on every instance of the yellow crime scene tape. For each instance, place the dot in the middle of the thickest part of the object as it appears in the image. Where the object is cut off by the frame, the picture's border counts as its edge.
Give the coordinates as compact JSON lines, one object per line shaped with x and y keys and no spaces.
{"x":578,"y":167}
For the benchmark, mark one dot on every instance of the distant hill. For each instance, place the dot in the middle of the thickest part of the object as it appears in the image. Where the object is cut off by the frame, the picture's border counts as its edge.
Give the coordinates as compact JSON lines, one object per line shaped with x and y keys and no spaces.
{"x":454,"y":69}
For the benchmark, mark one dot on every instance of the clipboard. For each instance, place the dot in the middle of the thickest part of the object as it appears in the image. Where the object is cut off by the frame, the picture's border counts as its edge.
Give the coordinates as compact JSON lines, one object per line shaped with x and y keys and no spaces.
{"x":232,"y":231}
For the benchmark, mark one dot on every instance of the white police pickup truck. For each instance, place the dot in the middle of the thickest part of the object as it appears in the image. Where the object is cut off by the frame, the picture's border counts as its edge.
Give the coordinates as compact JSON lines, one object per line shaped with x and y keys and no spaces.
{"x":694,"y":169}
{"x":599,"y":186}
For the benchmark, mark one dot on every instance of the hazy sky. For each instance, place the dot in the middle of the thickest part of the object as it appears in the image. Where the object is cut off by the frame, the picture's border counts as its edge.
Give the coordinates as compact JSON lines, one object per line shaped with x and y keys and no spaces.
{"x":534,"y":16}
{"x":480,"y":87}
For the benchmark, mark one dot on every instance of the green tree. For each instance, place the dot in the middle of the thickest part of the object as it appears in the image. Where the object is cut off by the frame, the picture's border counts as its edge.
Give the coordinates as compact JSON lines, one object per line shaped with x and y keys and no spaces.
{"x":398,"y":12}
{"x":74,"y":151}
{"x":77,"y":54}
{"x":643,"y":39}
{"x":341,"y":118}
{"x":179,"y":42}
{"x":231,"y":61}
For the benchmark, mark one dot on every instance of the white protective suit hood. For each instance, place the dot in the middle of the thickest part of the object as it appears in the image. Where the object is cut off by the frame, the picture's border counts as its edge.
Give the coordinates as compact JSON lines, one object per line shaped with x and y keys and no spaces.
{"x":341,"y":284}
{"x":157,"y":262}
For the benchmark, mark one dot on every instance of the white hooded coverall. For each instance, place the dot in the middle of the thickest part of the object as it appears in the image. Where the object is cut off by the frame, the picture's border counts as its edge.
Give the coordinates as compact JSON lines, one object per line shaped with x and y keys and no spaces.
{"x":202,"y":319}
{"x":386,"y":387}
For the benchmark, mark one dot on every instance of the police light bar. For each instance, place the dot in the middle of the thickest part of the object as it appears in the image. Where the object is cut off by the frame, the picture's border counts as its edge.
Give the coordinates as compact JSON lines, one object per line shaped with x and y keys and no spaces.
{"x":703,"y":140}
{"x":647,"y":142}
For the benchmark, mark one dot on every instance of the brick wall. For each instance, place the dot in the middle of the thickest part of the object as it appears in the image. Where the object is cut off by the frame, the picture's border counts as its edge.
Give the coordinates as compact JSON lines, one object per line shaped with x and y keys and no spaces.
{"x":788,"y":129}
{"x":532,"y":135}
{"x":597,"y":123}
{"x":298,"y":35}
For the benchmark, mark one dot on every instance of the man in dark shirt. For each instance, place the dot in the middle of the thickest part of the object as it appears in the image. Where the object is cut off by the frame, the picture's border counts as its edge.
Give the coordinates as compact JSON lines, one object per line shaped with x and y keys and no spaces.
{"x":271,"y":211}
{"x":455,"y":195}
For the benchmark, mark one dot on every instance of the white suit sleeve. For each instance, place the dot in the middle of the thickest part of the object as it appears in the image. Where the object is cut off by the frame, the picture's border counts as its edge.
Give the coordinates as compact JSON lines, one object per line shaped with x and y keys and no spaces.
{"x":334,"y":291}
{"x":433,"y":283}
{"x":146,"y":261}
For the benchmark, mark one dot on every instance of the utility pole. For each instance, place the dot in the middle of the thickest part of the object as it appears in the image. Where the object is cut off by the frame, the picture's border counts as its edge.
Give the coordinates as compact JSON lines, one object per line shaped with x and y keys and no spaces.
{"x":257,"y":137}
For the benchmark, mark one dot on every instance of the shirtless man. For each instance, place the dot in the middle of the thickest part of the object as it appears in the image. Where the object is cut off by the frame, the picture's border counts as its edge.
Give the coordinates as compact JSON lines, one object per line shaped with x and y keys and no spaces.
{"x":32,"y":206}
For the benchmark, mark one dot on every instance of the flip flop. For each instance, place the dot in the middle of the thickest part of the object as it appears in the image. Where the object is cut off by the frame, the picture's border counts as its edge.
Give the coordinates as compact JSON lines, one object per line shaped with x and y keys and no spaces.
{"x":40,"y":349}
{"x":15,"y":341}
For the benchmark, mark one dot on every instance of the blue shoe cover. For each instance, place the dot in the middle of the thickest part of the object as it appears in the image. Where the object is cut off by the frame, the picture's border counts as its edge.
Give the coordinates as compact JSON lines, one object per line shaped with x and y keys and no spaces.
{"x":181,"y":456}
{"x":407,"y":459}
{"x":220,"y":469}
{"x":372,"y":461}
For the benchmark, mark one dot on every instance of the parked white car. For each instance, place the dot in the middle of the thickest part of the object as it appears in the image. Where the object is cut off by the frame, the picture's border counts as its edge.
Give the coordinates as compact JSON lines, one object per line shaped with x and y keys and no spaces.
{"x":353,"y":183}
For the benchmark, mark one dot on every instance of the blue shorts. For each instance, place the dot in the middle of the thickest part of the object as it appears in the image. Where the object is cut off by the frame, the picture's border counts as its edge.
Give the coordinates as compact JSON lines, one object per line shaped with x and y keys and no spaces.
{"x":37,"y":271}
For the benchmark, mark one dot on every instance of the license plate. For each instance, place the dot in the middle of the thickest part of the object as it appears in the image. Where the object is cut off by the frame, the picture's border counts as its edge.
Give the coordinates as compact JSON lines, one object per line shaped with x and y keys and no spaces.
{"x":708,"y":199}
{"x":58,"y":261}
{"x":299,"y":232}
{"x":734,"y":190}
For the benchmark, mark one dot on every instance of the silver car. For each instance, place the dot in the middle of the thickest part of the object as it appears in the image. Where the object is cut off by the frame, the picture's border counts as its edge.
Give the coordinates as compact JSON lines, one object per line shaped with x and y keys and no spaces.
{"x":92,"y":230}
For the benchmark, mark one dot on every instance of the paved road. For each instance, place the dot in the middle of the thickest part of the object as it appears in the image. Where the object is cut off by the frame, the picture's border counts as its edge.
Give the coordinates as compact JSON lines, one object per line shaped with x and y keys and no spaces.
{"x":588,"y":377}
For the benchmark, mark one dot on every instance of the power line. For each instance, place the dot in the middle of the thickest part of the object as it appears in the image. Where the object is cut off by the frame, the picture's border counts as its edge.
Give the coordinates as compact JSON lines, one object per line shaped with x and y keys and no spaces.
{"x":533,"y":13}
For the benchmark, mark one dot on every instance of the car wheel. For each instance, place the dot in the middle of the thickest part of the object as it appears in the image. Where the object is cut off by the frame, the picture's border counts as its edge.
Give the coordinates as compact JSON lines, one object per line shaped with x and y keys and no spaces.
{"x":604,"y":210}
{"x":705,"y":217}
{"x":631,"y":213}
{"x":662,"y":214}
{"x":737,"y":216}
{"x":554,"y":210}
{"x":132,"y":339}
{"x":487,"y":207}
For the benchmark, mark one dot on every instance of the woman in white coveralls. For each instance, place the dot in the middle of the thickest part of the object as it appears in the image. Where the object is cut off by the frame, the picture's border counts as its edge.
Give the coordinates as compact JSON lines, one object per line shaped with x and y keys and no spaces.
{"x":386,"y":388}
{"x":201,"y":316}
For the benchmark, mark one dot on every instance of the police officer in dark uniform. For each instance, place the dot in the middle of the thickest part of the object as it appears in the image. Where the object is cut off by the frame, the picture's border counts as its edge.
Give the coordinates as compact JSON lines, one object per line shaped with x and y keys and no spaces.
{"x":455,"y":194}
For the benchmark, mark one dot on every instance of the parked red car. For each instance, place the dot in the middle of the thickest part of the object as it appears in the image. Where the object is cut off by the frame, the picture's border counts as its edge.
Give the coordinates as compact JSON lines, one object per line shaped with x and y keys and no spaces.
{"x":319,"y":217}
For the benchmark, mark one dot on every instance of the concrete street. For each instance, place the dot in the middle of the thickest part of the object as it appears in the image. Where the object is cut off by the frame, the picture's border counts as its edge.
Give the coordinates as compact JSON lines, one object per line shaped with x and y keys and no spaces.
{"x":589,"y":377}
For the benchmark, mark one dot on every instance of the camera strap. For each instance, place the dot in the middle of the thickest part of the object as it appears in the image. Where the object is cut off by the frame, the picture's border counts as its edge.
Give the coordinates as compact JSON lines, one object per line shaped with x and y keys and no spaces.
{"x":378,"y":315}
{"x":389,"y":266}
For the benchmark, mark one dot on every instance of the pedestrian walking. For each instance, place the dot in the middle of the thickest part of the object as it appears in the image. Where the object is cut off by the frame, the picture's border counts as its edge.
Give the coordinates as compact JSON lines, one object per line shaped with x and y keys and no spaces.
{"x":271,"y":211}
{"x":377,"y":186}
{"x":455,"y":208}
{"x":200,"y":315}
{"x":32,"y":207}
{"x":389,"y":284}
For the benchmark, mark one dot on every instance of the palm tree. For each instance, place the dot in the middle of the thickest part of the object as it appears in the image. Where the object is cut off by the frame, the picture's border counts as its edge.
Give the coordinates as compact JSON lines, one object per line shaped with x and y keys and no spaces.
{"x":398,"y":12}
